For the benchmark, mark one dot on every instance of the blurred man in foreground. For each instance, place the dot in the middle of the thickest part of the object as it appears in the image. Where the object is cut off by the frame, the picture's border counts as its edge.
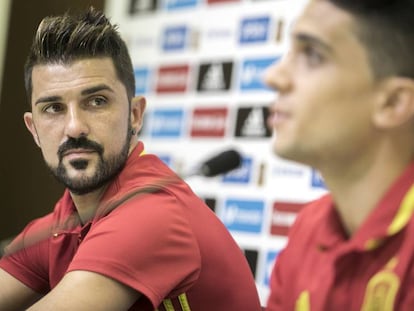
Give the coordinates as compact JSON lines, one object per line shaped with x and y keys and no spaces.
{"x":346,"y":107}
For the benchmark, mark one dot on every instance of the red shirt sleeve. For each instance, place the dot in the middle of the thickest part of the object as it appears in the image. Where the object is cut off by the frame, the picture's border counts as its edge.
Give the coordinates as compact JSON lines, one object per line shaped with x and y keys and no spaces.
{"x":27,"y":256}
{"x":153,"y":253}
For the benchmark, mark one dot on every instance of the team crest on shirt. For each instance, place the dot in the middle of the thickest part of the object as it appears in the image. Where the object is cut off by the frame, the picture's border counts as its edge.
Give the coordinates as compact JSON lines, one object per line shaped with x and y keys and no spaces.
{"x":382,"y":289}
{"x":380,"y":293}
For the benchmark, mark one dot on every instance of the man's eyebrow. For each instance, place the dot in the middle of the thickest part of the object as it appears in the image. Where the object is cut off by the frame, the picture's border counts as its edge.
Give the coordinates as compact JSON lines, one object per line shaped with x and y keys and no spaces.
{"x":88,"y":91}
{"x":94,"y":89}
{"x":303,"y":38}
{"x":48,"y":99}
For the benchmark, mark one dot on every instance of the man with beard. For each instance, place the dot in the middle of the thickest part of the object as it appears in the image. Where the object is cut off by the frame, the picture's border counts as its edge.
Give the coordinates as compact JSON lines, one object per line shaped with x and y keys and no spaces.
{"x":345,"y":106}
{"x":127,"y":234}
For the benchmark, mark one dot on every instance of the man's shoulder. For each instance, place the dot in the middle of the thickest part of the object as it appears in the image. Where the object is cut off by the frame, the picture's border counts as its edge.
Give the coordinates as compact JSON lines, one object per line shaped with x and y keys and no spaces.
{"x":318,"y":207}
{"x":313,"y":214}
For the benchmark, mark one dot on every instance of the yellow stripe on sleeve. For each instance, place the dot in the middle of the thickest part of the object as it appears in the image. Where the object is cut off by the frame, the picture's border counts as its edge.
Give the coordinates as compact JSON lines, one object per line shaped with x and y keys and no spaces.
{"x":168,"y":305}
{"x":184,"y":302}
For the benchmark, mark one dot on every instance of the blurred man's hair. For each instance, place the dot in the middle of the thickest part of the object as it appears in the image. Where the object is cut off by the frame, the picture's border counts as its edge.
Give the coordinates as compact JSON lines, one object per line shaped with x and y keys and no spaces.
{"x":386,"y":28}
{"x":67,"y":38}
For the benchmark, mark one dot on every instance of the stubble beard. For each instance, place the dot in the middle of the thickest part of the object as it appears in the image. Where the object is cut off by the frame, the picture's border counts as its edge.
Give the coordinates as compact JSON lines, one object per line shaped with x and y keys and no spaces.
{"x":105,"y":171}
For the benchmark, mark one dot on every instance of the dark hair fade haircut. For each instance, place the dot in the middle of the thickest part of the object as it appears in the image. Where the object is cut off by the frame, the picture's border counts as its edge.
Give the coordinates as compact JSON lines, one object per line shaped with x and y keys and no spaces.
{"x":67,"y":38}
{"x":386,"y":29}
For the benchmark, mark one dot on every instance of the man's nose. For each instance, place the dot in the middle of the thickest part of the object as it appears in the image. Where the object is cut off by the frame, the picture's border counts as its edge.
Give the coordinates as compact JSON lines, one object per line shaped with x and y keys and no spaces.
{"x":277,"y":76}
{"x":76,"y":122}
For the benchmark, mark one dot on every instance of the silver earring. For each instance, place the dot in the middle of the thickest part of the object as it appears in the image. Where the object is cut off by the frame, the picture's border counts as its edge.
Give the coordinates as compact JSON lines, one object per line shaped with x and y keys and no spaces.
{"x":133,"y":132}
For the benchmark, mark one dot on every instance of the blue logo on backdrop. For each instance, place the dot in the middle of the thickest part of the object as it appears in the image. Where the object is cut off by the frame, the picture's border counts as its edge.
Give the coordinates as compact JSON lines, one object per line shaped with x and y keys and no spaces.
{"x":179,"y":4}
{"x":251,"y":77}
{"x":166,"y":159}
{"x":240,"y":175}
{"x":166,"y":123}
{"x":270,"y":262}
{"x":254,"y":30}
{"x":244,"y":216}
{"x":141,"y":80}
{"x":317,"y":181}
{"x":174,"y":38}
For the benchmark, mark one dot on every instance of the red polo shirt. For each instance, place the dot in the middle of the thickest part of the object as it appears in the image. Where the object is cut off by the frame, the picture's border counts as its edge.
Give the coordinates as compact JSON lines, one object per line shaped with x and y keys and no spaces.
{"x":151,"y":233}
{"x":322,"y":269}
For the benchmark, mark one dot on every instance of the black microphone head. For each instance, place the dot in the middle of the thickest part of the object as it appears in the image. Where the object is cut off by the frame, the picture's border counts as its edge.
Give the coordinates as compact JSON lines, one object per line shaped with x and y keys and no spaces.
{"x":221,"y":163}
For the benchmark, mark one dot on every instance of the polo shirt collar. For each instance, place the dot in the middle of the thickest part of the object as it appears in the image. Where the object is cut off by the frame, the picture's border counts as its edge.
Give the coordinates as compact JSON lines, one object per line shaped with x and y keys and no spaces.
{"x":388,"y":218}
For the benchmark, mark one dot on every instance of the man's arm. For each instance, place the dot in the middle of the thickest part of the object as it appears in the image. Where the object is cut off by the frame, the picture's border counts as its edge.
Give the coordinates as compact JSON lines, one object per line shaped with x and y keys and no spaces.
{"x":14,"y":295}
{"x":85,"y":291}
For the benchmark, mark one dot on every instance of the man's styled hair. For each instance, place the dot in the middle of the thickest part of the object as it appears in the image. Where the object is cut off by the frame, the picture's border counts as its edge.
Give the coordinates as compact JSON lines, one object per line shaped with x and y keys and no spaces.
{"x":67,"y":38}
{"x":386,"y":28}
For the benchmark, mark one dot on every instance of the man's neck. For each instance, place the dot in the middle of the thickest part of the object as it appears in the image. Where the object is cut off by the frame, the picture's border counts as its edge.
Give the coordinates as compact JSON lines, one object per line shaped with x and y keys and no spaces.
{"x":87,"y":204}
{"x":357,"y":188}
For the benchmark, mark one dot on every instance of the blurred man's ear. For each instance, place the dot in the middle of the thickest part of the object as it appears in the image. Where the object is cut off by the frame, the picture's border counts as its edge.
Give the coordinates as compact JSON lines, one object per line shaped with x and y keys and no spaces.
{"x":28,"y":121}
{"x":397,"y":104}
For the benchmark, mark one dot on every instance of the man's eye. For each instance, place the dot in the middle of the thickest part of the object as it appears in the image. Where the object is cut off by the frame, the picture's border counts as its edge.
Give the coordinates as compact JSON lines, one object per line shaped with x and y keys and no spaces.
{"x":53,"y":108}
{"x":97,"y":101}
{"x":313,"y":56}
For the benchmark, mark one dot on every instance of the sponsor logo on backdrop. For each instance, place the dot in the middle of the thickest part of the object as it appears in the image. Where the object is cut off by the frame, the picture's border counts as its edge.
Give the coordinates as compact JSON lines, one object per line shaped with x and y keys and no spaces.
{"x":217,"y":38}
{"x":243,"y":215}
{"x":141,"y":80}
{"x":283,"y":216}
{"x":166,"y":159}
{"x":138,"y":6}
{"x":167,"y":123}
{"x":209,"y":122}
{"x":218,"y":34}
{"x":254,"y":30}
{"x":241,"y":175}
{"x":214,"y":76}
{"x":317,"y":180}
{"x":251,"y":122}
{"x":288,"y":170}
{"x":251,"y":77}
{"x":179,"y":4}
{"x":251,"y":256}
{"x":175,"y":38}
{"x":141,"y":42}
{"x":269,"y":264}
{"x":172,"y":79}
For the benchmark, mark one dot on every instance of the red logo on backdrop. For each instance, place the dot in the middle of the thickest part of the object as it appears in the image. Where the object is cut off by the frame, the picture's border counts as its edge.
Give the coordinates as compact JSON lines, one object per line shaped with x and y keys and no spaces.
{"x":172,"y":79}
{"x":209,"y":122}
{"x":283,"y":216}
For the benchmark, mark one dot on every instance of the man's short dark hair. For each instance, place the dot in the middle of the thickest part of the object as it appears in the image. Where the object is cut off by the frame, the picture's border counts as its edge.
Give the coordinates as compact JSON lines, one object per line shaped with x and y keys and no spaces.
{"x":386,"y":28}
{"x":67,"y":38}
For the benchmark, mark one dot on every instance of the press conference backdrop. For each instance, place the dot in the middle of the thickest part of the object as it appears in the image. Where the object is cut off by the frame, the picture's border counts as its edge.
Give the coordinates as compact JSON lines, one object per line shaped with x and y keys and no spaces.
{"x":200,"y":64}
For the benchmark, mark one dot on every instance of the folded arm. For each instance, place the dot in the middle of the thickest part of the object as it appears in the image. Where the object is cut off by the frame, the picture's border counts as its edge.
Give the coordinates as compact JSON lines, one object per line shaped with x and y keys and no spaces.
{"x":78,"y":290}
{"x":14,"y":295}
{"x":83,"y":290}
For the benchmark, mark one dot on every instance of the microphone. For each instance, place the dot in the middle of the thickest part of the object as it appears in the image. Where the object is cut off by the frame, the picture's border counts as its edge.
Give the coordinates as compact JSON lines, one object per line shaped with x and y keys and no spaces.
{"x":221,"y":163}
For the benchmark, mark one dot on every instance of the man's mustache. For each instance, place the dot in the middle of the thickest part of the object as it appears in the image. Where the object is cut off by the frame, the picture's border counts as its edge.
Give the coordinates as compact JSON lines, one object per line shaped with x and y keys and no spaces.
{"x":79,"y":143}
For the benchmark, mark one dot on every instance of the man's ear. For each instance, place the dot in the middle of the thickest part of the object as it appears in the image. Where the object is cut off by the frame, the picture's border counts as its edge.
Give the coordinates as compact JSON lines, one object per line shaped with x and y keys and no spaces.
{"x":138,"y":105}
{"x":396,"y":104}
{"x":28,"y":121}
